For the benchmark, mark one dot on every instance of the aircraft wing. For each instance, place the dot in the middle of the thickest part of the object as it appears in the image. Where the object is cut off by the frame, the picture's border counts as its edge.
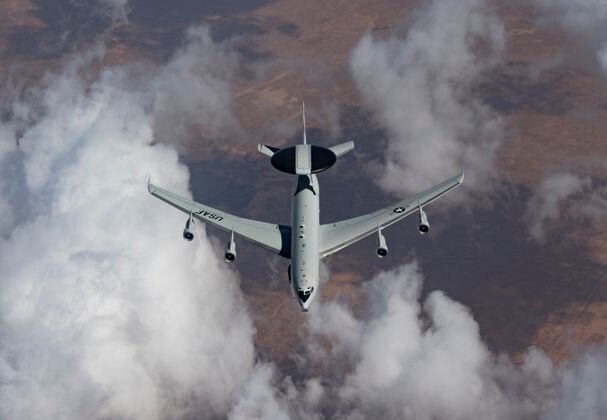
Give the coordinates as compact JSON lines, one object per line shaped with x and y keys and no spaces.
{"x":275,"y":238}
{"x":336,"y":236}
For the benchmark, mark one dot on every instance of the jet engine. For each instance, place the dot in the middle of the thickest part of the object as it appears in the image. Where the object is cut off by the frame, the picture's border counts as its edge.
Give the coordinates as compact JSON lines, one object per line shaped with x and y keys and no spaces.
{"x":230,"y":254}
{"x":382,"y":248}
{"x":423,"y":224}
{"x":187,"y":233}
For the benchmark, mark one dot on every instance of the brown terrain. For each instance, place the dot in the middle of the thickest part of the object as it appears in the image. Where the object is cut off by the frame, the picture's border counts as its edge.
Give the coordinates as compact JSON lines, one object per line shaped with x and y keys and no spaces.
{"x":521,"y":293}
{"x":563,"y":130}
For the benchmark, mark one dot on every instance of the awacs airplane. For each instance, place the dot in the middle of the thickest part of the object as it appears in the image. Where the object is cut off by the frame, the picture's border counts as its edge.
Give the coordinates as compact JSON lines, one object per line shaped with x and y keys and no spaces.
{"x":306,"y":241}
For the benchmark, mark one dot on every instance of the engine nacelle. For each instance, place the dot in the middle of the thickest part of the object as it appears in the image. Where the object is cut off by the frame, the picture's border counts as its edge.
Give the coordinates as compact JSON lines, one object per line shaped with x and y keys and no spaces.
{"x":230,"y":254}
{"x":188,"y":235}
{"x":382,"y":247}
{"x":423,"y":224}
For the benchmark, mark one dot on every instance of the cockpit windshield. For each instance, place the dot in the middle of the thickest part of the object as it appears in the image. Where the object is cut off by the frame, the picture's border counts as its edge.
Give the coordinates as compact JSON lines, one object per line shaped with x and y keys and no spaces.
{"x":304,"y":295}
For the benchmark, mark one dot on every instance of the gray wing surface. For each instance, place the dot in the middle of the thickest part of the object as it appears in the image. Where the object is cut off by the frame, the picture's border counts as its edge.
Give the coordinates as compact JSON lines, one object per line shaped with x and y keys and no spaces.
{"x":337,"y":236}
{"x":275,"y":238}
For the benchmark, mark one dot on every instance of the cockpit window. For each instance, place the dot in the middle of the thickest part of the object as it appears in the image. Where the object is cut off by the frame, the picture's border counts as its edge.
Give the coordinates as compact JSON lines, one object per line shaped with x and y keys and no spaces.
{"x":304,"y":295}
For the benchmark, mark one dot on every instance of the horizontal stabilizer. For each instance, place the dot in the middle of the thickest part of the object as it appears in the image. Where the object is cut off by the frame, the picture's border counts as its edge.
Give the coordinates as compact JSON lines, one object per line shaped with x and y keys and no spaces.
{"x":267,"y":150}
{"x":342,"y":149}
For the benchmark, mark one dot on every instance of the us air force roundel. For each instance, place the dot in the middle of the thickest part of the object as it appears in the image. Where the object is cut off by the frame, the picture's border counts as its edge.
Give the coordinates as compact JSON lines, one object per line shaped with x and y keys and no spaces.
{"x":400,"y":209}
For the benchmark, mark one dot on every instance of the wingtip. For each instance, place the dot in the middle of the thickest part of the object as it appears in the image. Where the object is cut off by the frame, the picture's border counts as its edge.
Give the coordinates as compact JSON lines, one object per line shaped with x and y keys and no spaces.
{"x":150,"y":186}
{"x":461,"y":177}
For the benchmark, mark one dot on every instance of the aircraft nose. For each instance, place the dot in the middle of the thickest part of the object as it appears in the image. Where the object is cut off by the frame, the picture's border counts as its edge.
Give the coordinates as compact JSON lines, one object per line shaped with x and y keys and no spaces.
{"x":305,"y":298}
{"x":304,"y":305}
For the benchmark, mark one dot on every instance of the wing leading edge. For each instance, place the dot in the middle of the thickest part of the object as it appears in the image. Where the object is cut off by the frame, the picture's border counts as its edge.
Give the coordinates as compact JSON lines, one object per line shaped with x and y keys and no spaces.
{"x":275,"y":238}
{"x":337,"y":236}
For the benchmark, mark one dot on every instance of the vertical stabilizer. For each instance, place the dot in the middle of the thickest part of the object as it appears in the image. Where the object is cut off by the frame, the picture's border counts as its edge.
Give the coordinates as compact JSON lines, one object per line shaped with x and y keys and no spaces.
{"x":303,"y":114}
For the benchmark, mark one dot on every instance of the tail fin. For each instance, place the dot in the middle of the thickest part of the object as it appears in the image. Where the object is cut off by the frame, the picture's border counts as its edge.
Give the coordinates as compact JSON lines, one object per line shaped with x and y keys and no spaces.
{"x":303,"y":114}
{"x":270,"y":150}
{"x":304,"y":158}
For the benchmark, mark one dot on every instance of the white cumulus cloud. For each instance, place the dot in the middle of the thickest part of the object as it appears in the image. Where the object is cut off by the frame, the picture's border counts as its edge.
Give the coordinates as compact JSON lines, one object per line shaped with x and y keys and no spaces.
{"x":104,"y":311}
{"x":398,"y":357}
{"x":584,"y":20}
{"x":546,"y":203}
{"x":421,"y":89}
{"x":419,"y":361}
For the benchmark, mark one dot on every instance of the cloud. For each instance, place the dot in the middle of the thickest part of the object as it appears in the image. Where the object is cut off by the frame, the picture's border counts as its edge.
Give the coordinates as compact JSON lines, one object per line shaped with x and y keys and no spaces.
{"x":8,"y":148}
{"x":582,"y":388}
{"x":258,"y":398}
{"x":584,"y":20}
{"x":423,"y":90}
{"x":116,"y":10}
{"x":192,"y":95}
{"x":412,"y":360}
{"x":398,"y":357}
{"x":602,"y":57}
{"x":545,"y":205}
{"x":577,"y":16}
{"x":104,"y":311}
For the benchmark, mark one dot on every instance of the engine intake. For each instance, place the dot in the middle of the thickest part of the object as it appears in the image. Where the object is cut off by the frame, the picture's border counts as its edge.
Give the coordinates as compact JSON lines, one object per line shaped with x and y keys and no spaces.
{"x":382,"y":247}
{"x":188,"y":235}
{"x":423,"y":224}
{"x":230,"y":254}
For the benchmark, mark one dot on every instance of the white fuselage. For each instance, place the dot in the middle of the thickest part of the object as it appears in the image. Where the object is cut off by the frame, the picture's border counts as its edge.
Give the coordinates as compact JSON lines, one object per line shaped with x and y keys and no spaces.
{"x":305,"y":224}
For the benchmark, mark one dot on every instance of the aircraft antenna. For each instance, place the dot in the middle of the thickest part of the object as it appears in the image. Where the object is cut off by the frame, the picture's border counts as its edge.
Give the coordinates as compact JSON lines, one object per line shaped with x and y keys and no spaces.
{"x":303,"y":114}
